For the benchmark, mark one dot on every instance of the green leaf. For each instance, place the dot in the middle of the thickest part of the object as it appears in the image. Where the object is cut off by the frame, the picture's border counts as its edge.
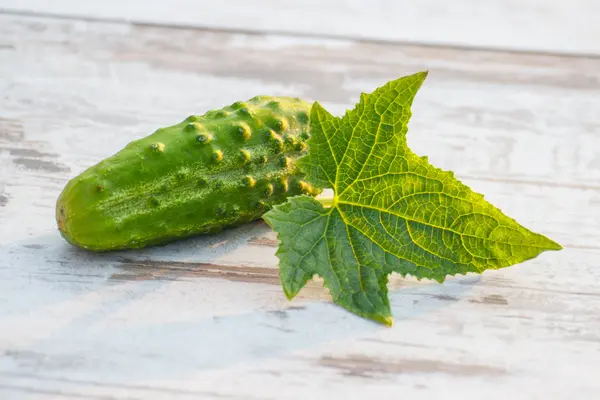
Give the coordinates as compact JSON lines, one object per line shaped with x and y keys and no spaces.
{"x":392,"y":211}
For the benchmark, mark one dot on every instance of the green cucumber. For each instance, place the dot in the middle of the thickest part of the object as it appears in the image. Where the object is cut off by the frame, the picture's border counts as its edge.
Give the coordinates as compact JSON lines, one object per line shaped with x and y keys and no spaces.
{"x":222,"y":169}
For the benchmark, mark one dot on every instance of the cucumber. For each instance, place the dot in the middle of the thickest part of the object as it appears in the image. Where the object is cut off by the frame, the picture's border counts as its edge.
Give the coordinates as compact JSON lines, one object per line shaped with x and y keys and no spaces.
{"x":222,"y":169}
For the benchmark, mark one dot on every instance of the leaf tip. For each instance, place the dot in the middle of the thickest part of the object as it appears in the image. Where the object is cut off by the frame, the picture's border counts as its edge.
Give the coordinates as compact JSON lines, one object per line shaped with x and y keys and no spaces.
{"x":547,"y":244}
{"x":422,"y":75}
{"x":288,"y":294}
{"x":553,"y":246}
{"x":384,"y":318}
{"x":316,"y":108}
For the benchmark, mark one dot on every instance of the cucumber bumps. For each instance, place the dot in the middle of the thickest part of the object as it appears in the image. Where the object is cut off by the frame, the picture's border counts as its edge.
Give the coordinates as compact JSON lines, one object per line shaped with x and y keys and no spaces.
{"x":222,"y":169}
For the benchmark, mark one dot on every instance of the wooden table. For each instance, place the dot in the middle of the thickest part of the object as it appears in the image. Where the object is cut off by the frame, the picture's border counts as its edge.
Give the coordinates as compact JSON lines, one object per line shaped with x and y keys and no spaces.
{"x":516,"y":116}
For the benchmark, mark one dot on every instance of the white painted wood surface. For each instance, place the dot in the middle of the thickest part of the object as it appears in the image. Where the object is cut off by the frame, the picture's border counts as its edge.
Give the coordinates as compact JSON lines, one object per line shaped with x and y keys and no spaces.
{"x":206,"y":318}
{"x":526,"y":25}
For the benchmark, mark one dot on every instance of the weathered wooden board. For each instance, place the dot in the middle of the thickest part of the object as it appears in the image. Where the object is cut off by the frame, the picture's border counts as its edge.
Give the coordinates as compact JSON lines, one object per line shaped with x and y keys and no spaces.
{"x":571,"y":27}
{"x":206,"y":318}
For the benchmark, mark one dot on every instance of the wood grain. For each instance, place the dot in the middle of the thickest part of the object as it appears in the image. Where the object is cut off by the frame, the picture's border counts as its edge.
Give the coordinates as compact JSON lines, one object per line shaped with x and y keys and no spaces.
{"x":527,"y":25}
{"x":206,"y":317}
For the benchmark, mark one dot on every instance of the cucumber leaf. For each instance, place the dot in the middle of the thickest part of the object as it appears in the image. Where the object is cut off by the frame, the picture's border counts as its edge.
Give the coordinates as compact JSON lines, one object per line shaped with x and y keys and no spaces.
{"x":392,"y":211}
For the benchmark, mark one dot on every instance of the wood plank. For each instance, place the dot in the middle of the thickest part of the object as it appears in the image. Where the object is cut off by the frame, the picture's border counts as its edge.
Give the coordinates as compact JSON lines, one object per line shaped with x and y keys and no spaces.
{"x":527,"y":25}
{"x":206,"y":317}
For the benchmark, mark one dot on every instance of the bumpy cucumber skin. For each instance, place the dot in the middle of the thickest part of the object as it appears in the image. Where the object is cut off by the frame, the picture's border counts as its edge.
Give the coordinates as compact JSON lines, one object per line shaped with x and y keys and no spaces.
{"x":222,"y":169}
